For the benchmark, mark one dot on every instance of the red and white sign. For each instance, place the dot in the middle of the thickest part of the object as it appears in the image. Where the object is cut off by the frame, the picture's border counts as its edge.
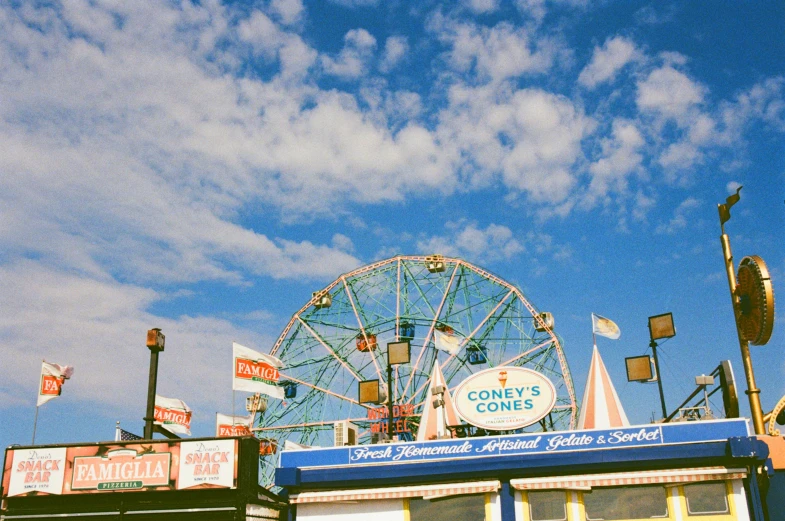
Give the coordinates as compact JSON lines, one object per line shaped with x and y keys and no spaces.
{"x":227,"y":425}
{"x":255,"y":372}
{"x":208,"y":463}
{"x":173,"y":415}
{"x":53,"y":377}
{"x":38,"y":470}
{"x":505,"y":398}
{"x":121,"y":469}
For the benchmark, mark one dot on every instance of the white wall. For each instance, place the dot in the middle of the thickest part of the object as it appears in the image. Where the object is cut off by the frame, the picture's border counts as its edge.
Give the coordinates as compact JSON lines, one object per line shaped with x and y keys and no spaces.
{"x":376,"y":510}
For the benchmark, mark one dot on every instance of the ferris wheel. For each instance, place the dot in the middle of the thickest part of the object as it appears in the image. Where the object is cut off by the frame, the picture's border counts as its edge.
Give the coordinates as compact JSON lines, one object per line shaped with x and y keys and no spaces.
{"x":339,"y":338}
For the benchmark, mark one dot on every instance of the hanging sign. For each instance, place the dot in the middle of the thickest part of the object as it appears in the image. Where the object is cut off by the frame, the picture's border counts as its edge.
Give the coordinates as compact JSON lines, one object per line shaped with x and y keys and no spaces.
{"x":504,"y":398}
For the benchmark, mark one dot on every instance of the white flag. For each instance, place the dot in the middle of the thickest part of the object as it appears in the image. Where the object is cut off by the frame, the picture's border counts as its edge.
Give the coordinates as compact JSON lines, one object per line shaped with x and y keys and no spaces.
{"x":255,"y":372}
{"x":53,"y":377}
{"x":228,"y":425}
{"x":605,"y":327}
{"x":173,"y":415}
{"x":445,"y":342}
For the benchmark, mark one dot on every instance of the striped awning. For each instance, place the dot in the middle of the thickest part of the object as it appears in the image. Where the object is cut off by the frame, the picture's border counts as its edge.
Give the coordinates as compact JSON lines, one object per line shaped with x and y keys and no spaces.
{"x":647,"y":477}
{"x":423,"y":491}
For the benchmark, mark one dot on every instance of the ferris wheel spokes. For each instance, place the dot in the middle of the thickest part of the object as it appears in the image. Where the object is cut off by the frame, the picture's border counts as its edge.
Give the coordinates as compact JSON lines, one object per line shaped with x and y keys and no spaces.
{"x":435,"y":320}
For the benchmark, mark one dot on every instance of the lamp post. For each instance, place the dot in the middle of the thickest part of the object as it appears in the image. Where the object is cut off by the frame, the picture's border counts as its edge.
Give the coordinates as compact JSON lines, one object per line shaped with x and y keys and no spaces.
{"x":660,"y":326}
{"x":155,"y":343}
{"x":397,"y":353}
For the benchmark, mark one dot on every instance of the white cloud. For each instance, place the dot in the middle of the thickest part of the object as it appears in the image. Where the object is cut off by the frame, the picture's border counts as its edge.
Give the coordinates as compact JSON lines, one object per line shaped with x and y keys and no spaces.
{"x":679,"y":220}
{"x":607,"y":61}
{"x":395,"y":48}
{"x":670,"y":94}
{"x":494,"y":53}
{"x":288,"y":11}
{"x":481,"y":6}
{"x":621,"y":156}
{"x":466,"y":240}
{"x":352,"y":61}
{"x":99,"y":327}
{"x":531,"y":137}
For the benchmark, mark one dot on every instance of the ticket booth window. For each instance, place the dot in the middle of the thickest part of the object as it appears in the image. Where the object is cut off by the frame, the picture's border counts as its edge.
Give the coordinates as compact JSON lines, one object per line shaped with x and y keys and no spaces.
{"x":626,"y":503}
{"x":455,"y":508}
{"x":706,"y":498}
{"x":547,"y":506}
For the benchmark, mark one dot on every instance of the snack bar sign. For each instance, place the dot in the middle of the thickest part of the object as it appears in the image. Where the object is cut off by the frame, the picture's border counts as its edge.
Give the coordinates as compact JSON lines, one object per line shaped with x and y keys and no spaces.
{"x":197,"y":464}
{"x":39,"y":471}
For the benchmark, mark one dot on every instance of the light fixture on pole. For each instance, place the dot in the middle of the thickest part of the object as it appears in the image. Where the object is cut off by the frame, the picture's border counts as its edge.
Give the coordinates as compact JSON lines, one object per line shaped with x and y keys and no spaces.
{"x":397,"y":353}
{"x":155,"y":343}
{"x":660,"y":326}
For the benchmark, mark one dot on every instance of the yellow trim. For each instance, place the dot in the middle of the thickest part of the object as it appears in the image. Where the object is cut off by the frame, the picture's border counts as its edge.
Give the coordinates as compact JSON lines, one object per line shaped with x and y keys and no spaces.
{"x":488,"y":510}
{"x":730,"y":516}
{"x":668,"y":504}
{"x":567,"y":503}
{"x":406,"y":515}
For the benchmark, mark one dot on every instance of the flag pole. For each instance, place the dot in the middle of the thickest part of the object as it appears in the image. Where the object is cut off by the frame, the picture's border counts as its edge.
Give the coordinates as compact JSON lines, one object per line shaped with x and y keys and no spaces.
{"x":35,"y":424}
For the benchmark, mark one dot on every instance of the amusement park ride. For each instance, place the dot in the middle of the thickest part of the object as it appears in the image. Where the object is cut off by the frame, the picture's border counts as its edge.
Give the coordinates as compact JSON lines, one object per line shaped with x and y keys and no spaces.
{"x":338,"y":339}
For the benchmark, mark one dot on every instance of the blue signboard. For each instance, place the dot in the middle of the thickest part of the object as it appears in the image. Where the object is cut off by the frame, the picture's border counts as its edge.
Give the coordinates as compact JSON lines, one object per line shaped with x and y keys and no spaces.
{"x":518,"y":445}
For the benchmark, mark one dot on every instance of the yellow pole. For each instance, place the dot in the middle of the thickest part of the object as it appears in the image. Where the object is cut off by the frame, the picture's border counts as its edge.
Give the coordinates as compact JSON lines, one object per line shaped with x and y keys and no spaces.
{"x":752,"y":390}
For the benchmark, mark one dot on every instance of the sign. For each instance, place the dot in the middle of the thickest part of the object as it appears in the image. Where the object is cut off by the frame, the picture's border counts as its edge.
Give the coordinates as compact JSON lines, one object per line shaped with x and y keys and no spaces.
{"x":123,"y":467}
{"x":120,"y":470}
{"x":209,"y":462}
{"x":519,"y":444}
{"x":504,"y":398}
{"x":400,"y":414}
{"x":38,"y":470}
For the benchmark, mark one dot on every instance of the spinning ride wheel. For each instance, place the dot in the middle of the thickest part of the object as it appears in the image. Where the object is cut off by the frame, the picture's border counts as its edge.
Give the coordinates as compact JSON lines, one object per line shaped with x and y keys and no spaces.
{"x":339,"y":338}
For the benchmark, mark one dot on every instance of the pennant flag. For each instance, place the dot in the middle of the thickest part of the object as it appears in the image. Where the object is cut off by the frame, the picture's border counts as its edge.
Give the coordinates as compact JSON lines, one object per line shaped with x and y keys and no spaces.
{"x":604,"y":327}
{"x":434,"y":421}
{"x":53,"y":377}
{"x":173,"y":415}
{"x":227,"y":425}
{"x":446,"y":341}
{"x":601,"y":407}
{"x":255,"y":372}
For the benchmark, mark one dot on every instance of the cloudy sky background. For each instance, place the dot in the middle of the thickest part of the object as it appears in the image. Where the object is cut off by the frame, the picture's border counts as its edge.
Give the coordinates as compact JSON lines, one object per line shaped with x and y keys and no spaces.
{"x":203,"y":167}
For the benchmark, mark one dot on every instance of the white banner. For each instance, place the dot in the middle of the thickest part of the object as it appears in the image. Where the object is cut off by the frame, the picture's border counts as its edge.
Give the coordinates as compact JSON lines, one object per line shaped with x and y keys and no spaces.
{"x":228,"y":425}
{"x":445,"y":342}
{"x":173,"y":415}
{"x":255,"y":372}
{"x":53,"y":377}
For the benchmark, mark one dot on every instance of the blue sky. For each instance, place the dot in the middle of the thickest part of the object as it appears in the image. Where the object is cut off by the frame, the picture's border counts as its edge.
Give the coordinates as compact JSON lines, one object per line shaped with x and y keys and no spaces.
{"x":203,"y":167}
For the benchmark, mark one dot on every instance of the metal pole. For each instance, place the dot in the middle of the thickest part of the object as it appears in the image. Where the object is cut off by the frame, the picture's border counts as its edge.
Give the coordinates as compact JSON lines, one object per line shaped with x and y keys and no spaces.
{"x":35,"y":424}
{"x":756,"y":411}
{"x":389,"y":398}
{"x":653,"y":346}
{"x":151,"y":384}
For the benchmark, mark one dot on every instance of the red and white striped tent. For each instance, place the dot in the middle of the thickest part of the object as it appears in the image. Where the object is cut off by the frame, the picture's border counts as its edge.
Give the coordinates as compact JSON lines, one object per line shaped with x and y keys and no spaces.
{"x":433,"y":423}
{"x":601,"y":408}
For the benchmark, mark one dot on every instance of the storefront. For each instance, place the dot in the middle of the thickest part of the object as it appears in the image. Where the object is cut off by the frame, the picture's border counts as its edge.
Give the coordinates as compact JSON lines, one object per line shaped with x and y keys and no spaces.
{"x":708,"y":470}
{"x":213,"y":479}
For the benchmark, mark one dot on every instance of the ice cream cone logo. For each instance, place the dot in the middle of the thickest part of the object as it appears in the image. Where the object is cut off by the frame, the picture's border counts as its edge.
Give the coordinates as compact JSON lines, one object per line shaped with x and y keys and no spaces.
{"x":503,"y":378}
